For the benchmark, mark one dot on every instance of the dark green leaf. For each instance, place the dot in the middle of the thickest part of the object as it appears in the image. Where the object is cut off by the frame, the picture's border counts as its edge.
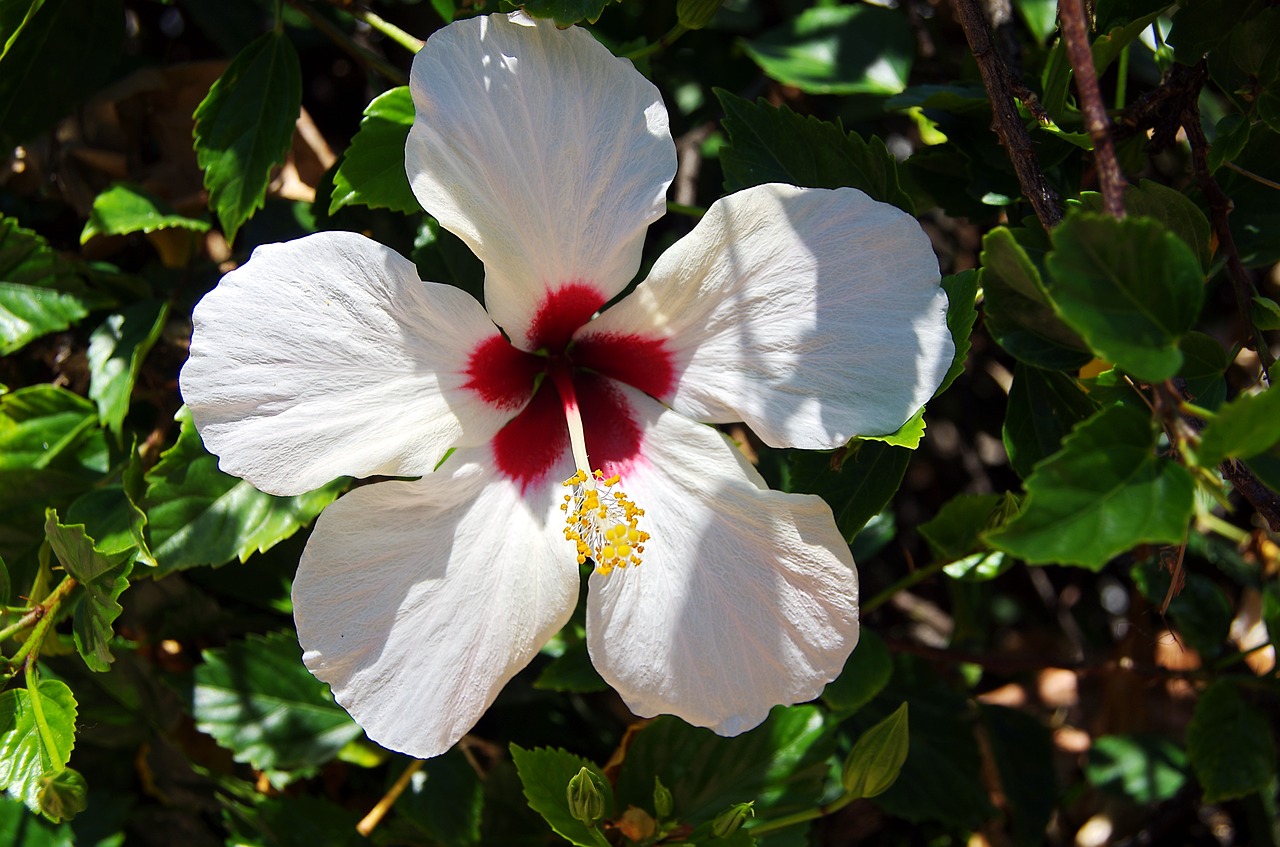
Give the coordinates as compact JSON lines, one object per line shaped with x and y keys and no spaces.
{"x":125,"y":208}
{"x":24,"y":756}
{"x":1199,"y":610}
{"x":1041,"y":17}
{"x":20,"y":828}
{"x":853,"y":49}
{"x":545,"y":774}
{"x":244,"y":127}
{"x":1230,"y":744}
{"x":1129,"y":287}
{"x":1265,"y":313}
{"x":1230,"y":137}
{"x":1103,"y":493}
{"x":301,"y":821}
{"x":1144,"y":767}
{"x":63,"y":53}
{"x":1023,"y":752}
{"x":257,"y":699}
{"x":962,"y":293}
{"x":1020,"y":315}
{"x":1203,"y":364}
{"x":62,"y":795}
{"x":38,"y":292}
{"x":571,"y":671}
{"x":1170,"y":207}
{"x":372,"y":170}
{"x":5,"y":586}
{"x":1201,"y":26}
{"x":857,"y":484}
{"x":445,"y":799}
{"x":201,"y":516}
{"x":957,"y":528}
{"x":781,"y":765}
{"x":865,"y":673}
{"x":768,"y":144}
{"x":941,"y":779}
{"x":1107,"y":47}
{"x":103,"y":580}
{"x":116,"y":351}
{"x":1242,"y":428}
{"x":1110,"y":14}
{"x":1043,"y":407}
{"x":566,"y":12}
{"x":111,"y":519}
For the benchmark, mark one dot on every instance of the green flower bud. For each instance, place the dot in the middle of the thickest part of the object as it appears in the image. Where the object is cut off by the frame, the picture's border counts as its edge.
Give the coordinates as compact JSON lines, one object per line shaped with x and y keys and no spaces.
{"x":732,"y":819}
{"x":586,"y":800}
{"x":662,"y":802}
{"x":876,"y":759}
{"x":695,"y":14}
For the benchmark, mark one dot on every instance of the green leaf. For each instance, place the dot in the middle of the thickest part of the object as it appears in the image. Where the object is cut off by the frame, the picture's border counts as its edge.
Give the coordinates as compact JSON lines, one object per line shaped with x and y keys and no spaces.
{"x":1203,"y":364}
{"x":1265,"y":313}
{"x":839,"y":50}
{"x":1230,"y":744}
{"x":103,"y":580}
{"x":566,"y":12}
{"x":257,"y":699}
{"x":768,"y":144}
{"x":1230,"y":137}
{"x":372,"y":170}
{"x":1144,"y":767}
{"x":301,"y":821}
{"x":781,"y":764}
{"x":1201,"y":26}
{"x":20,"y":828}
{"x":244,"y":127}
{"x":201,"y":516}
{"x":1113,"y":13}
{"x":1242,"y":428}
{"x":956,"y":531}
{"x":571,"y":671}
{"x":545,"y":775}
{"x":25,"y":757}
{"x":1019,"y":314}
{"x":51,"y":450}
{"x":5,"y":586}
{"x":117,"y":349}
{"x":38,"y":292}
{"x":111,"y":519}
{"x":1040,"y":16}
{"x":62,"y":795}
{"x":857,"y":482}
{"x":1170,"y":207}
{"x":445,"y":800}
{"x":64,"y":51}
{"x":865,"y":674}
{"x":1022,"y":749}
{"x":1129,"y":287}
{"x":1043,"y":407}
{"x":1103,"y":493}
{"x":962,"y":294}
{"x":908,"y":435}
{"x":123,"y":209}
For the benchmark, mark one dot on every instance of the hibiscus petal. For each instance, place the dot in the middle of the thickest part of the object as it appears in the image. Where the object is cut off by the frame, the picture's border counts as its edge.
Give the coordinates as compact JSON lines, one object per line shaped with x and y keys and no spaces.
{"x":325,"y":357}
{"x":548,"y":155}
{"x":417,"y":601}
{"x":812,"y":315}
{"x":746,"y":598}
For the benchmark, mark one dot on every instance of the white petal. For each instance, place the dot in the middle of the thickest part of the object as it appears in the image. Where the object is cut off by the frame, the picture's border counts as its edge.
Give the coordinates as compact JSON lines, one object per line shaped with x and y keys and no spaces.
{"x":327,"y":356}
{"x":812,"y":315}
{"x":544,"y":152}
{"x":746,"y":598}
{"x":417,"y":601}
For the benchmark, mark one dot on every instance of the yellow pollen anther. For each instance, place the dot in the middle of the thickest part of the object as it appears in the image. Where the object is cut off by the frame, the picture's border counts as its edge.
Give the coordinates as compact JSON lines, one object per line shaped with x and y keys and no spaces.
{"x":601,"y":521}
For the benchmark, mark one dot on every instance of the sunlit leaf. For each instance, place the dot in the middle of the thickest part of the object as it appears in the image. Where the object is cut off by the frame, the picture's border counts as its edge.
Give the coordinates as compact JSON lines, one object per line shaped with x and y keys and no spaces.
{"x":201,"y":516}
{"x":1230,"y":744}
{"x":244,"y":127}
{"x":123,"y":209}
{"x":38,"y":292}
{"x":26,"y":756}
{"x":372,"y":169}
{"x":1103,"y":493}
{"x":117,"y":349}
{"x":257,"y":699}
{"x":545,"y":774}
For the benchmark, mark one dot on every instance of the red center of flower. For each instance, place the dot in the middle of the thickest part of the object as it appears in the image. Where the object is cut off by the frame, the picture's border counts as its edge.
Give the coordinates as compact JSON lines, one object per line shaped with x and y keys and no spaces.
{"x":531,"y":444}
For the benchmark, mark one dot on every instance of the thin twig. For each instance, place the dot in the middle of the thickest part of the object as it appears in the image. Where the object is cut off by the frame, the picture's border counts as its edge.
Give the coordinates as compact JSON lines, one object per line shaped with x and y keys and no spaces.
{"x":390,"y":30}
{"x":1258,"y":178}
{"x":1006,"y":120}
{"x":370,"y":821}
{"x":360,"y":54}
{"x":1075,"y":35}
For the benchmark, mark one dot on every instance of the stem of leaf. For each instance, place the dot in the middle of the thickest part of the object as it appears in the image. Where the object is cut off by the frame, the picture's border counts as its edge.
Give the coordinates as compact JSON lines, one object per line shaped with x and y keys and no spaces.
{"x":390,"y":30}
{"x":1122,"y":77}
{"x":682,"y":209}
{"x":1228,"y":531}
{"x":40,"y":617}
{"x":661,"y":44}
{"x":37,"y":711}
{"x":801,"y":817}
{"x":597,"y":836}
{"x":918,"y":575}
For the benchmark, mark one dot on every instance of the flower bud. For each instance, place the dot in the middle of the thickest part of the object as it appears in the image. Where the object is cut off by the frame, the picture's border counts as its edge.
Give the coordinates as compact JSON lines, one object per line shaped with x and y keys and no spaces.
{"x":662,"y":802}
{"x":876,"y":759}
{"x":695,"y":14}
{"x":732,"y":819}
{"x":586,"y":800}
